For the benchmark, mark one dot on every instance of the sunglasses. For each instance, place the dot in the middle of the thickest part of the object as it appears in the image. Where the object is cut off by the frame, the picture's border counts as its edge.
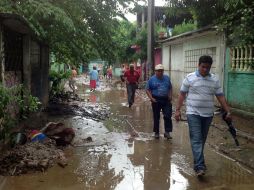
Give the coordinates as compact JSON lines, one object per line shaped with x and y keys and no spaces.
{"x":160,"y":70}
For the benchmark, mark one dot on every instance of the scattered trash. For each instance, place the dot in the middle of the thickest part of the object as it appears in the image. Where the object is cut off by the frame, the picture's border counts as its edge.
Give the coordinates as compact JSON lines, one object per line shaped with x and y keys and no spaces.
{"x":62,"y":161}
{"x":36,"y":135}
{"x":18,"y":138}
{"x":61,"y":134}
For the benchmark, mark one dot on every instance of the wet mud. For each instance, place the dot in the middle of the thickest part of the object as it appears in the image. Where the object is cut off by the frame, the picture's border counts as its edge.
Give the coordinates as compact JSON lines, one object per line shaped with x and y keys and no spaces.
{"x":120,"y":152}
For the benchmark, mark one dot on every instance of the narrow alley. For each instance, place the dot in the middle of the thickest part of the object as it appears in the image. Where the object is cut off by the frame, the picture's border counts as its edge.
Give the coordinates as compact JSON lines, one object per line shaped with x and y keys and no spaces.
{"x":123,"y":154}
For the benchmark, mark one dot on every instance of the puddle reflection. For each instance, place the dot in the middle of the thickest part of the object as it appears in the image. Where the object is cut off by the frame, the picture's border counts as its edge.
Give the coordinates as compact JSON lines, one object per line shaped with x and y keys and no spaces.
{"x":177,"y":180}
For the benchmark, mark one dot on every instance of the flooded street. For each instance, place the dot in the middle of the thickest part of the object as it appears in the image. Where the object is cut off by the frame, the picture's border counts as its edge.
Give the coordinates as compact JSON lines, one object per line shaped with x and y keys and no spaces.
{"x":123,"y":155}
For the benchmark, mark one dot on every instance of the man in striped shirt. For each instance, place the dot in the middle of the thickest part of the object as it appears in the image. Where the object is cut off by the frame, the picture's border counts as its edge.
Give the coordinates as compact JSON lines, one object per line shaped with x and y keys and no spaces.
{"x":200,"y":88}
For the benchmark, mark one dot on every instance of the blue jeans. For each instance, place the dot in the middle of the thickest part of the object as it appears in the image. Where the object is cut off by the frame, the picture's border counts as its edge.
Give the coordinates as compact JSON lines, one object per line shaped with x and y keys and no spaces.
{"x":131,"y":89}
{"x":166,"y":107}
{"x":198,"y":129}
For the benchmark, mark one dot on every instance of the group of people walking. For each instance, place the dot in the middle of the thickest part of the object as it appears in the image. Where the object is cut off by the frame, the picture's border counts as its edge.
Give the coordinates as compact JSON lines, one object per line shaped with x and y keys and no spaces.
{"x":198,"y":89}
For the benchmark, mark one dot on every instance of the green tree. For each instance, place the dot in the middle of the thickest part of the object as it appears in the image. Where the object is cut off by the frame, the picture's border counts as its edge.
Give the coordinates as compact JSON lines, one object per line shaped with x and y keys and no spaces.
{"x":235,"y":17}
{"x":238,"y":21}
{"x":124,"y":37}
{"x":76,"y":30}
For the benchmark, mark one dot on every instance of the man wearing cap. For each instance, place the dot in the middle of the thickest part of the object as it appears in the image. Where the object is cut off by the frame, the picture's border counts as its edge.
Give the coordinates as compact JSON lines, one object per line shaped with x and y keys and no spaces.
{"x":159,"y":90}
{"x":131,"y":78}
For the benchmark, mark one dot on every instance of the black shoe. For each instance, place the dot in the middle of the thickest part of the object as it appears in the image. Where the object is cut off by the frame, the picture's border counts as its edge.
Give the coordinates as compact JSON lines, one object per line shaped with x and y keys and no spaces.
{"x":130,"y":105}
{"x":200,"y":173}
{"x":157,"y":135}
{"x":167,"y":135}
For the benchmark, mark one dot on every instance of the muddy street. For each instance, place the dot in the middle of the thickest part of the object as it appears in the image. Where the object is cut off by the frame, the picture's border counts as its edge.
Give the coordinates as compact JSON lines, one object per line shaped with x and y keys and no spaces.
{"x":122,"y":154}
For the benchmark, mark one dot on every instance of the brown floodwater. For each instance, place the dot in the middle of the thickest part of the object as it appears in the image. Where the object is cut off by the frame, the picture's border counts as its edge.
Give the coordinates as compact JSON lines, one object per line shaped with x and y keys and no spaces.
{"x":117,"y":159}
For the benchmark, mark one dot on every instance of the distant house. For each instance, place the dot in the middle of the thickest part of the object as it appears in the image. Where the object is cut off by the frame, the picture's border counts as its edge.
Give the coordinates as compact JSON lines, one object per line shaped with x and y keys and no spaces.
{"x":233,"y":65}
{"x":24,"y":59}
{"x":180,"y":53}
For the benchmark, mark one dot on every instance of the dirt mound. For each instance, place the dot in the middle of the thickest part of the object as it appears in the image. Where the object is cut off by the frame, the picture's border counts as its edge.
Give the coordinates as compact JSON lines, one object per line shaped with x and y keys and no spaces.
{"x":31,"y":157}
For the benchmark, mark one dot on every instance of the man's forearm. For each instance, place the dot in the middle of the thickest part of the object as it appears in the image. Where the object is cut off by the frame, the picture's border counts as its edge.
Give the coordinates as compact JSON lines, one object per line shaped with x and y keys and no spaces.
{"x":223,"y":103}
{"x":149,"y":94}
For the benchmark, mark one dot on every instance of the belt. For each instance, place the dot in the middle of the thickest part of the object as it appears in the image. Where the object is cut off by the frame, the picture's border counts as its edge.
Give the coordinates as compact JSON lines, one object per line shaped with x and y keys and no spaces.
{"x":160,"y":97}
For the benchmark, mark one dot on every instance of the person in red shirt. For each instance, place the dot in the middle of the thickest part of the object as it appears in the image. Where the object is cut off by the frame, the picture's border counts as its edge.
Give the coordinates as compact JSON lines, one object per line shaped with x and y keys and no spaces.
{"x":131,"y":77}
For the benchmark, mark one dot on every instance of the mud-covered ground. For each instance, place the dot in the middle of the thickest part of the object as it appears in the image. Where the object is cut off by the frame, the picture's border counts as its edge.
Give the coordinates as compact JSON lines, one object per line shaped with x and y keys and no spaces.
{"x":30,"y":157}
{"x":119,"y":151}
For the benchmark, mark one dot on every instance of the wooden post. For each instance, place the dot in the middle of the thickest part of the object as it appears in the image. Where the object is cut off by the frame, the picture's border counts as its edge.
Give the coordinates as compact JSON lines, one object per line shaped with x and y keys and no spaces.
{"x":150,"y":38}
{"x":1,"y":56}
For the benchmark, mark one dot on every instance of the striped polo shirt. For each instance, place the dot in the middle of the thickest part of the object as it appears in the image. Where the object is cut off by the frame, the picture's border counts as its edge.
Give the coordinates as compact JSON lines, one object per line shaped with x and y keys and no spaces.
{"x":200,"y":93}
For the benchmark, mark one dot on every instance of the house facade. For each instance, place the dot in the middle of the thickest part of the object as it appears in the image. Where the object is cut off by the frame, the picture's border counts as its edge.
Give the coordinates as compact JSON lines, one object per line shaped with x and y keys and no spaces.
{"x":233,"y":65}
{"x":180,"y":54}
{"x":23,"y":58}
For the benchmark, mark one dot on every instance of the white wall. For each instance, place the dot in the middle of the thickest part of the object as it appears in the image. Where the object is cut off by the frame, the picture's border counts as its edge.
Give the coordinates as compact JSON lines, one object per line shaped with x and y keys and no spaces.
{"x":177,"y":66}
{"x":166,"y":58}
{"x":173,"y":55}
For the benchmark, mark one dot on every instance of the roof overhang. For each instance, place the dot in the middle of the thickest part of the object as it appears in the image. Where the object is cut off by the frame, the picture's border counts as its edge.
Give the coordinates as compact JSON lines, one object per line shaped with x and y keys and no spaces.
{"x":16,"y":23}
{"x":188,"y":35}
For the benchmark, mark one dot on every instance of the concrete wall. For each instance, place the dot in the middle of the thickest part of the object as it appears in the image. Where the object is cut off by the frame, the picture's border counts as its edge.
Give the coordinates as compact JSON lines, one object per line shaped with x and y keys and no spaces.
{"x":40,"y":71}
{"x":36,"y":87}
{"x":166,"y":58}
{"x":157,"y":56}
{"x":239,"y":88}
{"x":177,"y":66}
{"x":45,"y":74}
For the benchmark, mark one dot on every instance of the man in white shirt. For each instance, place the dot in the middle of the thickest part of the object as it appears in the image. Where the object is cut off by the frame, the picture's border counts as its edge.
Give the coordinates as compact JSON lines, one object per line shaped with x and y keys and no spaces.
{"x":200,"y":87}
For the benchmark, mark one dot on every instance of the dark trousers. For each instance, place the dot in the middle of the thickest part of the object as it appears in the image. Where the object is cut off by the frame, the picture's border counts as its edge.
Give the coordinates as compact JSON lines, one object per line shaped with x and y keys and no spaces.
{"x":166,"y":107}
{"x":131,"y":89}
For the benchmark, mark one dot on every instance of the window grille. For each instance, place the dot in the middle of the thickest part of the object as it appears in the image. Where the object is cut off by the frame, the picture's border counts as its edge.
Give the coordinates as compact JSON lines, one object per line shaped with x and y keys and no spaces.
{"x":192,"y":57}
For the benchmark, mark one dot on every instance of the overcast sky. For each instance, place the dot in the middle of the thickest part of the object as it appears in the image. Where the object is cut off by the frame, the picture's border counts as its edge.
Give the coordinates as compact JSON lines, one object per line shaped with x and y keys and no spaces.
{"x":132,"y":17}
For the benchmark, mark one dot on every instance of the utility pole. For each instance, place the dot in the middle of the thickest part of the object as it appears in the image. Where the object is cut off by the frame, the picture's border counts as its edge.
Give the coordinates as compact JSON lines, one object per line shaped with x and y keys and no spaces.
{"x":150,"y":39}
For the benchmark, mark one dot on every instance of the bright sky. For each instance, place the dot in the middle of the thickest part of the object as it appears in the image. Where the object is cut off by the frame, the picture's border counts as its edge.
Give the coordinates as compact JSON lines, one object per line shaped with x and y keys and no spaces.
{"x":132,"y":17}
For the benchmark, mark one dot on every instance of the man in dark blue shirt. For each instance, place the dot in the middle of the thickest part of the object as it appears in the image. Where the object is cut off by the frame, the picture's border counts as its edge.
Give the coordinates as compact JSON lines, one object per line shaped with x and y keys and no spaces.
{"x":159,"y":90}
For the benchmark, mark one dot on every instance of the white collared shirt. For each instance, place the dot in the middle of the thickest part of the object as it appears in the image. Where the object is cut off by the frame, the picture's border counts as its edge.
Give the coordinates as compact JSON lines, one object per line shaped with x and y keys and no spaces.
{"x":200,"y":93}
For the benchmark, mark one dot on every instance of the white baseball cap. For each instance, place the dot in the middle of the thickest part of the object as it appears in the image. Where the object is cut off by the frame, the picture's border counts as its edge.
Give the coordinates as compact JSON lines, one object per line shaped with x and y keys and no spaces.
{"x":159,"y":67}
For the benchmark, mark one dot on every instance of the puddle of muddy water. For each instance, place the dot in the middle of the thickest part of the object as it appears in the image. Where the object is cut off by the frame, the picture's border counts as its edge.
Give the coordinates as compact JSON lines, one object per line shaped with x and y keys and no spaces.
{"x":116,"y":160}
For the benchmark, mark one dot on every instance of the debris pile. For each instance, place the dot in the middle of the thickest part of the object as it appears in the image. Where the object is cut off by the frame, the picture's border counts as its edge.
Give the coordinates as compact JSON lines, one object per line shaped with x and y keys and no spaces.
{"x":85,"y":109}
{"x":34,"y":156}
{"x":58,"y":132}
{"x":98,"y":111}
